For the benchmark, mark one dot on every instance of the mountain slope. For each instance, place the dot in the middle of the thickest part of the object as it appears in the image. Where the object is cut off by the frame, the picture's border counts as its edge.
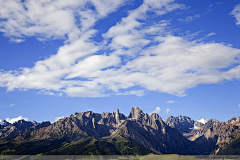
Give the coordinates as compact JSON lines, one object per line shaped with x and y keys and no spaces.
{"x":15,"y":128}
{"x":153,"y":133}
{"x":93,"y":146}
{"x":4,"y":123}
{"x":232,"y":148}
{"x":107,"y":132}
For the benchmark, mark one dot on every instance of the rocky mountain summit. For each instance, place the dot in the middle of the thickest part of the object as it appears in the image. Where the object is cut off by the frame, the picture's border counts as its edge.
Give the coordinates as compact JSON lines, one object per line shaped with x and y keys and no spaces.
{"x":148,"y":133}
{"x":210,"y":134}
{"x":4,"y":123}
{"x":183,"y":124}
{"x":15,"y":128}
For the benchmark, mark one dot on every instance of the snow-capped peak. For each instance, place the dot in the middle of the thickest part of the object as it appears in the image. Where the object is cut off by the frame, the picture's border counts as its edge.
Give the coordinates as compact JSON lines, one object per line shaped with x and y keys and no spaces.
{"x":3,"y":122}
{"x":203,"y":120}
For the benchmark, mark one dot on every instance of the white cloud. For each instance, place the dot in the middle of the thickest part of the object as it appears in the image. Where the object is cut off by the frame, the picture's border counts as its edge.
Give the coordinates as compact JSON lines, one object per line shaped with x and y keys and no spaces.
{"x":12,"y":120}
{"x":157,"y":110}
{"x":170,"y":101}
{"x":236,"y":13}
{"x":167,"y":110}
{"x":190,"y":18}
{"x":11,"y":105}
{"x":18,"y":40}
{"x":211,"y":34}
{"x":239,"y":105}
{"x":138,"y":93}
{"x":58,"y":118}
{"x":135,"y":54}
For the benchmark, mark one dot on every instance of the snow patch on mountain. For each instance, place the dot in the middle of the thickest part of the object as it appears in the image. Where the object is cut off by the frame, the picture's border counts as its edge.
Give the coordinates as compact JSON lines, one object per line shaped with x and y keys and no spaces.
{"x":203,"y":120}
{"x":1,"y":122}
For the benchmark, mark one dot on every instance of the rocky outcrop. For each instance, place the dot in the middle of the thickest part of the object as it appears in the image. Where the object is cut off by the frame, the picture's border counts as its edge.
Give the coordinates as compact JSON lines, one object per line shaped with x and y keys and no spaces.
{"x":149,"y":131}
{"x":15,"y":128}
{"x":153,"y":133}
{"x":4,"y":123}
{"x":183,"y":124}
{"x":81,"y":125}
{"x":214,"y":133}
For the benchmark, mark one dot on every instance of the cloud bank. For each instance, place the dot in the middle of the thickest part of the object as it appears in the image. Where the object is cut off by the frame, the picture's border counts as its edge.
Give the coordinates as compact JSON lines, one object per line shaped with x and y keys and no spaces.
{"x":135,"y":56}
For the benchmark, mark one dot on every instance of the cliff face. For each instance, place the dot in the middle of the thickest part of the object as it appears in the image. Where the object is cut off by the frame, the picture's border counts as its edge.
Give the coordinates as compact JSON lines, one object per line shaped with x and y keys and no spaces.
{"x":214,"y":134}
{"x":153,"y":133}
{"x":4,"y":123}
{"x":148,"y":131}
{"x":15,"y":128}
{"x":183,"y":124}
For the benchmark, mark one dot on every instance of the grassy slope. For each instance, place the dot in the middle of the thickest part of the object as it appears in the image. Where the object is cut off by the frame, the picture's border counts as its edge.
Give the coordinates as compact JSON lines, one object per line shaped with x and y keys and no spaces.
{"x":92,"y":146}
{"x":89,"y":146}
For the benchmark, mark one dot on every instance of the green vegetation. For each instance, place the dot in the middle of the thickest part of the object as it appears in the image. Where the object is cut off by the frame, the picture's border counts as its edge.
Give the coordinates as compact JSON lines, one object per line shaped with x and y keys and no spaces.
{"x":89,"y":146}
{"x":232,"y":149}
{"x":29,"y":147}
{"x":92,"y":146}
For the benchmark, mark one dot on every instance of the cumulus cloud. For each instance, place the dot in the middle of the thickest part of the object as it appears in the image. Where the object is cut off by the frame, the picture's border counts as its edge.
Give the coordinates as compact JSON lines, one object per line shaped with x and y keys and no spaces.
{"x":12,"y":120}
{"x":170,"y":101}
{"x":134,"y":56}
{"x":58,"y":118}
{"x":239,"y":105}
{"x":157,"y":110}
{"x":236,"y":13}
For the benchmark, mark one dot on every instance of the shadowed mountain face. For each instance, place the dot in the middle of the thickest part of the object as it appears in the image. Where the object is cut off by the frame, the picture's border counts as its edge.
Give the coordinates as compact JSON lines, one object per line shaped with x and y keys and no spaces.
{"x":4,"y":123}
{"x":214,"y":135}
{"x":218,"y":134}
{"x":15,"y":128}
{"x":149,"y":131}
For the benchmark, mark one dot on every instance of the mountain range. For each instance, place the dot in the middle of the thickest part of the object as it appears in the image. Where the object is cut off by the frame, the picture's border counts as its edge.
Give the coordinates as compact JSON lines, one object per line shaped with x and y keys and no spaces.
{"x":114,"y":133}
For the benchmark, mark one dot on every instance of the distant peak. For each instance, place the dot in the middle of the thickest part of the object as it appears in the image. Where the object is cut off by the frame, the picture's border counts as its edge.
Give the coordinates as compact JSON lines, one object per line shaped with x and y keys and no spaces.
{"x":135,"y":113}
{"x":155,"y":116}
{"x":203,"y":120}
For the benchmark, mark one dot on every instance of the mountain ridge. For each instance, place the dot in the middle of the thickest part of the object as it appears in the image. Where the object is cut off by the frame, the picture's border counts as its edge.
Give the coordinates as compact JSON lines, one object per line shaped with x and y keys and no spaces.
{"x":149,"y":131}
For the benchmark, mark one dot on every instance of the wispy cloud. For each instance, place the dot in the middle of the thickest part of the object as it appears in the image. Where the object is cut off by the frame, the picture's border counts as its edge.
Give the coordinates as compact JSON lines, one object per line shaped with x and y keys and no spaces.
{"x":236,"y":13}
{"x":12,"y":120}
{"x":157,"y":110}
{"x":211,"y":34}
{"x":137,"y":57}
{"x":190,"y":18}
{"x":170,"y":101}
{"x":138,"y":93}
{"x":11,"y":105}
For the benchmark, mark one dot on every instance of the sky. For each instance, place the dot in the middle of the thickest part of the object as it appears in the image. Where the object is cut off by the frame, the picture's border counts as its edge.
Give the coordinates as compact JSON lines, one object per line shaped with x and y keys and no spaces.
{"x":171,"y":57}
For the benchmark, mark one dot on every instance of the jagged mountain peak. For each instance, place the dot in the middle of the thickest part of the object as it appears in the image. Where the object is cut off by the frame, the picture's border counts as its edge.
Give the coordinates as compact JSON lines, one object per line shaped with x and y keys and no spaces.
{"x":183,"y":124}
{"x":148,"y":130}
{"x":136,"y":113}
{"x":4,"y":123}
{"x":203,"y":120}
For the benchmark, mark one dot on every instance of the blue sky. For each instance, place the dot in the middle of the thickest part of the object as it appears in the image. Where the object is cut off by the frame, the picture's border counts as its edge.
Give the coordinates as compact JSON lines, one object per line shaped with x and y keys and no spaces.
{"x":173,"y":57}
